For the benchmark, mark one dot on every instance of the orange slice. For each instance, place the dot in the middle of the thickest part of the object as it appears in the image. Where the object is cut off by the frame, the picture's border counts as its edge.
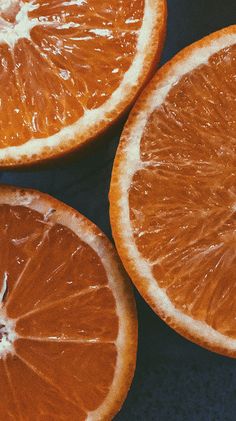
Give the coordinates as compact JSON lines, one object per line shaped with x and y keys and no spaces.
{"x":68,"y":329}
{"x":69,"y":69}
{"x":173,"y":193}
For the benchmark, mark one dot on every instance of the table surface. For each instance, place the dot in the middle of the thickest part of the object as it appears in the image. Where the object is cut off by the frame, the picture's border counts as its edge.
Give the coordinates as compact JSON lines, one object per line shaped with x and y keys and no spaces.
{"x":175,"y":380}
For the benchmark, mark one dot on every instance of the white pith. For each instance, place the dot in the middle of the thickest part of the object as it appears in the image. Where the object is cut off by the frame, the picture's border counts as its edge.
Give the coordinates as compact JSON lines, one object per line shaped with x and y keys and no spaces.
{"x":10,"y":33}
{"x":127,"y":167}
{"x":85,"y":231}
{"x":7,"y":334}
{"x":92,"y":118}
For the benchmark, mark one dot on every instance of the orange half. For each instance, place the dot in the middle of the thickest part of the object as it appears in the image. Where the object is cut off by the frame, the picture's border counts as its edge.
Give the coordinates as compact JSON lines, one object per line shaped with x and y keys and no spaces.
{"x":68,"y":328}
{"x":173,"y":193}
{"x":69,"y":69}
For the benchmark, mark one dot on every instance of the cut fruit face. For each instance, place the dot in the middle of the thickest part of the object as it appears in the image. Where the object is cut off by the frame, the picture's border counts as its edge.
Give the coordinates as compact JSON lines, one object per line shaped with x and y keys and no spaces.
{"x":69,"y":69}
{"x":68,"y":327}
{"x":173,"y":193}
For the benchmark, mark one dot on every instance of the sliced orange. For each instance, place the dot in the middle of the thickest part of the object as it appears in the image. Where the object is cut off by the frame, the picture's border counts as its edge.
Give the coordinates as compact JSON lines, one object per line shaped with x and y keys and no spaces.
{"x":69,"y":69}
{"x":68,"y":329}
{"x":173,"y":193}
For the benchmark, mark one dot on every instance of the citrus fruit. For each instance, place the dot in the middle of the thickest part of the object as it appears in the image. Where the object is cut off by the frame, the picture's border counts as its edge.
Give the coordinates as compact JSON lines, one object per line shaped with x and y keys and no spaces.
{"x":173,"y":193}
{"x":69,"y":69}
{"x":68,"y":327}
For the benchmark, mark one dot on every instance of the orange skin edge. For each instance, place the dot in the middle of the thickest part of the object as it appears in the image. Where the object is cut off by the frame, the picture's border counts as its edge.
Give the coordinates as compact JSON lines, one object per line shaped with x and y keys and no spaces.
{"x":115,"y":194}
{"x":97,"y":133}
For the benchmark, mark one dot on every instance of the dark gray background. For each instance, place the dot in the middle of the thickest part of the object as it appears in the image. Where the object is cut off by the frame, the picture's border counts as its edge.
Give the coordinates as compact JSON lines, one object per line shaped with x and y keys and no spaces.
{"x":175,"y":380}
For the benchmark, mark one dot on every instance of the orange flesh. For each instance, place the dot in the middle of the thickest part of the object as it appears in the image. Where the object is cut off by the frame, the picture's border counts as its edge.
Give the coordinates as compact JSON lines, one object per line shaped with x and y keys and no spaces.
{"x":47,"y":82}
{"x":183,"y":201}
{"x":65,"y":316}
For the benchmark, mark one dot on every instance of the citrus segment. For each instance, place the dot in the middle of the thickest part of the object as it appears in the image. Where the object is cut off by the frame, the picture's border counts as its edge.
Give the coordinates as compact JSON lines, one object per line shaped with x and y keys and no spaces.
{"x":8,"y":408}
{"x":69,"y":69}
{"x":67,"y":317}
{"x":57,"y":271}
{"x":44,"y":399}
{"x":174,"y":188}
{"x":57,"y":361}
{"x":18,"y":241}
{"x":77,"y":317}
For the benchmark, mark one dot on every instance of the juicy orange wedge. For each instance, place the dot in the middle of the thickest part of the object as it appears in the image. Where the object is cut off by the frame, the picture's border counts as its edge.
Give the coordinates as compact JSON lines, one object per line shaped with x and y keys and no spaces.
{"x":173,"y":193}
{"x":68,"y":327}
{"x":69,"y":69}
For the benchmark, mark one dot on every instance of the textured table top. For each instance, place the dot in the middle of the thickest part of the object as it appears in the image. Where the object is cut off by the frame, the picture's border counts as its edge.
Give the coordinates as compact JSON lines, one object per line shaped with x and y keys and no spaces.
{"x":175,"y":380}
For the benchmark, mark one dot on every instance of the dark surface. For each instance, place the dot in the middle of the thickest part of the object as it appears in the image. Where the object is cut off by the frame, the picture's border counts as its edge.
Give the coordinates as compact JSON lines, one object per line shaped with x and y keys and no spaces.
{"x":175,"y":380}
